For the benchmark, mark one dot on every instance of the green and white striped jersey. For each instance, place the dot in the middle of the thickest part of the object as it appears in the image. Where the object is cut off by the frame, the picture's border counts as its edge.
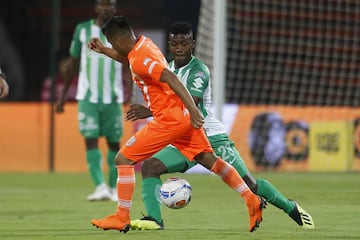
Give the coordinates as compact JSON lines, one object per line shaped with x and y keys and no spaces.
{"x":196,"y":77}
{"x":100,"y":77}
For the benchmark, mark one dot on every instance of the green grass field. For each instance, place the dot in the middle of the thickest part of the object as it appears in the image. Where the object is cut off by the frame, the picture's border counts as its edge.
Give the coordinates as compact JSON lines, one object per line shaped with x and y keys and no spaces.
{"x":53,"y":206}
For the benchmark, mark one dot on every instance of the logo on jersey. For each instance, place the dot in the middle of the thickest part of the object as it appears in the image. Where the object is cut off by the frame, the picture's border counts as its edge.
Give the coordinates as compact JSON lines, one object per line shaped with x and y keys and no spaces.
{"x":87,"y":123}
{"x":131,"y":141}
{"x":198,"y":83}
{"x":200,"y":75}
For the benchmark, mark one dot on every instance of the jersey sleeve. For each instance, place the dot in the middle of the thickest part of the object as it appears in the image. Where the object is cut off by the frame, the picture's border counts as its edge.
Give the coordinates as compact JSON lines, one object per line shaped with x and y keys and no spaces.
{"x":148,"y":67}
{"x":197,"y":82}
{"x":75,"y":47}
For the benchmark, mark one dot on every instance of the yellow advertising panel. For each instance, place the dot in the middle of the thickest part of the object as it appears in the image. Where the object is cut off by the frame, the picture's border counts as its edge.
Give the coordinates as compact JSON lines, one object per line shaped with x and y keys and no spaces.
{"x":331,"y":146}
{"x":294,"y":148}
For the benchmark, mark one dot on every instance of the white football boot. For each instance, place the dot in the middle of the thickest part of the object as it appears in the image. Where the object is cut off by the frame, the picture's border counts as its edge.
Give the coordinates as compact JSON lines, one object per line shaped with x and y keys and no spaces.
{"x":101,"y":193}
{"x":113,"y":194}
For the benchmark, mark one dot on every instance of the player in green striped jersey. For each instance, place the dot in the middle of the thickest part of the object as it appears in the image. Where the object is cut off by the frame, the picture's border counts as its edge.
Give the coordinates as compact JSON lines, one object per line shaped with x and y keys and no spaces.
{"x":196,"y":77}
{"x":99,"y":95}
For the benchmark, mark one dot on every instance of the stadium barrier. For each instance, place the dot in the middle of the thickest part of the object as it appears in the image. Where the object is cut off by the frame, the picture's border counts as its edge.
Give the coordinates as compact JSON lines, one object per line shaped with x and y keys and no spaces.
{"x":332,"y":146}
{"x":277,"y":138}
{"x":25,"y":134}
{"x":298,"y":138}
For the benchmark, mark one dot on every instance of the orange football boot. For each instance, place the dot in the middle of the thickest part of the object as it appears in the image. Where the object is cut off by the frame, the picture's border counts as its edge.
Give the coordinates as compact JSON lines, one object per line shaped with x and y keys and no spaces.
{"x":255,"y":208}
{"x":113,"y":221}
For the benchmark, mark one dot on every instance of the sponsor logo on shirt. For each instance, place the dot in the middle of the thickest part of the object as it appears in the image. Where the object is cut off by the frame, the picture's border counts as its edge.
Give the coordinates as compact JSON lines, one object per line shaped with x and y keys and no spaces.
{"x":200,"y":75}
{"x":197,"y":84}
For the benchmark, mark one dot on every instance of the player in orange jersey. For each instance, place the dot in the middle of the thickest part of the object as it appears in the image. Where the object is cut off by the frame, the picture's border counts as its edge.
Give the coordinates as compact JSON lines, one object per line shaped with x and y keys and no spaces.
{"x":176,"y":121}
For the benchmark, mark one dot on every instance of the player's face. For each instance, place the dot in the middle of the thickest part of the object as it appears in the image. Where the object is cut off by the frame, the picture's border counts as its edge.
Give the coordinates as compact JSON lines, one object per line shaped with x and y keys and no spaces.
{"x":181,"y":47}
{"x":105,"y":9}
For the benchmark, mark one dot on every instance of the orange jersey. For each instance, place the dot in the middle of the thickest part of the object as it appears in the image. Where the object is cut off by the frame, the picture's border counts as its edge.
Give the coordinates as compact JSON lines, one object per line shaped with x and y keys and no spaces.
{"x":146,"y":64}
{"x":171,"y":123}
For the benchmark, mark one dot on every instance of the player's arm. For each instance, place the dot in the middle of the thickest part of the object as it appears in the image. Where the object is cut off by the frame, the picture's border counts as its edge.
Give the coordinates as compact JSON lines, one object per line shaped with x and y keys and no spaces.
{"x":178,"y":87}
{"x":128,"y":83}
{"x":68,"y":69}
{"x":4,"y":87}
{"x":98,"y":46}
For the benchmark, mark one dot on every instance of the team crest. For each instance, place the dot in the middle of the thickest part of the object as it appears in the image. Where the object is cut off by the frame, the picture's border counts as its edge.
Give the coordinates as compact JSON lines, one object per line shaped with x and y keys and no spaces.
{"x":131,"y":141}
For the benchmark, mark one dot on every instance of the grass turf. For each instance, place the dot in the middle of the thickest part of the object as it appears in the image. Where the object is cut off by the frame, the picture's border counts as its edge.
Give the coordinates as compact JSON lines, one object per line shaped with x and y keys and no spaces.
{"x":53,"y":206}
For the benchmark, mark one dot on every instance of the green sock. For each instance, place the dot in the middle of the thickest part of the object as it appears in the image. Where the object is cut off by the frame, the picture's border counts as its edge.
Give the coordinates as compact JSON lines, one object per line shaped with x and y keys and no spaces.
{"x":151,"y":197}
{"x":273,"y":196}
{"x":93,"y":158}
{"x":112,"y":168}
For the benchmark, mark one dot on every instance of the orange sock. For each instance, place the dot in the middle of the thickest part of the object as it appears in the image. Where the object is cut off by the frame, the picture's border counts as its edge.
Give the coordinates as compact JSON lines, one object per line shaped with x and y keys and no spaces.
{"x":231,"y":177}
{"x":125,"y":189}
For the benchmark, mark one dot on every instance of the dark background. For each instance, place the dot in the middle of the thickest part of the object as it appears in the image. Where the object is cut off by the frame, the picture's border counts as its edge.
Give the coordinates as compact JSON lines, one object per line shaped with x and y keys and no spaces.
{"x":25,"y":35}
{"x":278,"y":52}
{"x":293,"y":52}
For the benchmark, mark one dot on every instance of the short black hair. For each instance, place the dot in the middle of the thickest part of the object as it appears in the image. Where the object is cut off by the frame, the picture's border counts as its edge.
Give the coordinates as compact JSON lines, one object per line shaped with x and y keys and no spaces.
{"x":111,"y":1}
{"x":115,"y":25}
{"x":181,"y":28}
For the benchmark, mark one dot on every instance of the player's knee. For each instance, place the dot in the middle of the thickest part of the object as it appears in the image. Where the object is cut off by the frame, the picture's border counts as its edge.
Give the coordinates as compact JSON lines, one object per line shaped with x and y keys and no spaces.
{"x":152,"y":168}
{"x":206,"y":159}
{"x":114,"y":146}
{"x":91,"y":143}
{"x":122,"y":160}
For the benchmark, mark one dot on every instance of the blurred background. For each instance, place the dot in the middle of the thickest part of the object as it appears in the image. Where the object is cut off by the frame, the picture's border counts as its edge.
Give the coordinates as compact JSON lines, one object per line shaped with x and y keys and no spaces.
{"x":286,"y":76}
{"x":26,"y":34}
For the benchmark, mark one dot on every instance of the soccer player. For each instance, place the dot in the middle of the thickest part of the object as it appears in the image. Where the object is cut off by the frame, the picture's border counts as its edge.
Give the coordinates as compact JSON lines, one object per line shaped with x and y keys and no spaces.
{"x":100,"y":95}
{"x":176,"y":120}
{"x":4,"y":87}
{"x":195,"y":75}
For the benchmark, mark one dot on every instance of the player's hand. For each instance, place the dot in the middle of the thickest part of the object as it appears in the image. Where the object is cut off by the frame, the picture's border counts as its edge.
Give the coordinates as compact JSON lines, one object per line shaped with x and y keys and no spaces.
{"x":59,"y":108}
{"x":4,"y":88}
{"x":136,"y":112}
{"x":96,"y":45}
{"x":196,"y":118}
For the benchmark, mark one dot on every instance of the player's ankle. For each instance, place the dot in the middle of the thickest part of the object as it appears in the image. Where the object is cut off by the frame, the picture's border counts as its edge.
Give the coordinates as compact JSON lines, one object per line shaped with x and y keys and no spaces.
{"x":247,"y":195}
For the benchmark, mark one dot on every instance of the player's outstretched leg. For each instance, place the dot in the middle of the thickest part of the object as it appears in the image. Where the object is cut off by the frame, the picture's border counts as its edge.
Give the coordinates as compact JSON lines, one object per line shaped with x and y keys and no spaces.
{"x":301,"y":217}
{"x":275,"y":197}
{"x":120,"y":220}
{"x":254,"y":203}
{"x":150,"y":194}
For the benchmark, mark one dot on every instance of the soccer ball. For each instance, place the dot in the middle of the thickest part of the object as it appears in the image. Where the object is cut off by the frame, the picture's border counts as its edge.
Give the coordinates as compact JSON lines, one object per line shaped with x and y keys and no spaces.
{"x":175,"y":193}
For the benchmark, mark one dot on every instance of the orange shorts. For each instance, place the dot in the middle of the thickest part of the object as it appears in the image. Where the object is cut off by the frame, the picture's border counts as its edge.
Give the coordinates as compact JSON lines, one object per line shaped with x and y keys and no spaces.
{"x":158,"y":134}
